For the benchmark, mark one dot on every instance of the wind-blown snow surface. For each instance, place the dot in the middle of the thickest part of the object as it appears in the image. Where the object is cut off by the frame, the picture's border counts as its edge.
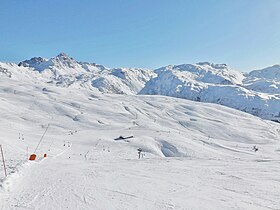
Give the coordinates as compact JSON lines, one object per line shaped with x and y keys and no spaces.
{"x":256,"y":93}
{"x":197,"y":155}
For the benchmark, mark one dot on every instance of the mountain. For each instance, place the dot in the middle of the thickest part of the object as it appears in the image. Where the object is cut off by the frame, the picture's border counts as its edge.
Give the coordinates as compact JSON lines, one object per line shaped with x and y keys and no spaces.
{"x":254,"y":93}
{"x":65,"y":71}
{"x":205,"y":72}
{"x":271,"y":73}
{"x":122,"y":80}
{"x":33,"y":62}
{"x":262,"y":85}
{"x":266,"y":80}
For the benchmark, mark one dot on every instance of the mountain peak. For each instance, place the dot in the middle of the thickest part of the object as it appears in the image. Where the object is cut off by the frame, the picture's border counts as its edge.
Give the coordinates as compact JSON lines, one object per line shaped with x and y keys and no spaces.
{"x":33,"y":62}
{"x":63,"y":60}
{"x":63,"y":56}
{"x":213,"y":65}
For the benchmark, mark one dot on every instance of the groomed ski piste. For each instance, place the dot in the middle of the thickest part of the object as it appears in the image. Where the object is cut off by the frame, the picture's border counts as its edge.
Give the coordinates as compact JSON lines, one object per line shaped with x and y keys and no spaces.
{"x":194,"y":155}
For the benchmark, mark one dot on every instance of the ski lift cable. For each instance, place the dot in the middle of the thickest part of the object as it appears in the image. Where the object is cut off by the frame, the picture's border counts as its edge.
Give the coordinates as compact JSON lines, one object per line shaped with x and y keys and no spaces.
{"x":41,"y":138}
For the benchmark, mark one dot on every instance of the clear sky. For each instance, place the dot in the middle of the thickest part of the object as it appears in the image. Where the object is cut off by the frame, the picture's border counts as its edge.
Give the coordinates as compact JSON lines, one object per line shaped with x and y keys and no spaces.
{"x":244,"y":34}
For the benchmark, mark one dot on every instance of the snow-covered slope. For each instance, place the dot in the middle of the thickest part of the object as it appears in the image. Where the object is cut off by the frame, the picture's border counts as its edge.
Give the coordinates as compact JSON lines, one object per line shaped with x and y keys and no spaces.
{"x":262,"y":85}
{"x":197,"y":155}
{"x":265,"y":80}
{"x":122,"y":80}
{"x":205,"y":72}
{"x":216,"y":83}
{"x":272,"y":73}
{"x":257,"y":92}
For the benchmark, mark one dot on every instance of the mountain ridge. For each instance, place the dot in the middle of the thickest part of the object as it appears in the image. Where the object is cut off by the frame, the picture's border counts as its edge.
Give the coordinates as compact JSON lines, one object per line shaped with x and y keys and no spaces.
{"x":256,"y":92}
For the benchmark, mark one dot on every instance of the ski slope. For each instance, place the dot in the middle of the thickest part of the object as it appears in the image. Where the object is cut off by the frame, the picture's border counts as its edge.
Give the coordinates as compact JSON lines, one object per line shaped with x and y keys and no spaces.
{"x":196,"y":155}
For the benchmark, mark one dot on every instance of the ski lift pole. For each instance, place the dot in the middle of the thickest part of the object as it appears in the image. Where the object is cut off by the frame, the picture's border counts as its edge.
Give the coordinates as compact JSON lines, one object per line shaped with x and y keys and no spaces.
{"x":3,"y":160}
{"x":27,"y":152}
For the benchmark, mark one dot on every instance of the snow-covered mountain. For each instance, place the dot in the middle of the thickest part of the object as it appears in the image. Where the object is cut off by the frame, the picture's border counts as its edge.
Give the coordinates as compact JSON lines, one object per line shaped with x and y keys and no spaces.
{"x":255,"y":93}
{"x":262,"y":85}
{"x":122,"y":80}
{"x":205,"y":72}
{"x":65,"y":71}
{"x":266,"y":80}
{"x":272,"y":73}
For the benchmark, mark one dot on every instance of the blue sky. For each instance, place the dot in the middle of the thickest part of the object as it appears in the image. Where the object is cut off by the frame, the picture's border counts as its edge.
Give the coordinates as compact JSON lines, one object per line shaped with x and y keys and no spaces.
{"x":244,"y":34}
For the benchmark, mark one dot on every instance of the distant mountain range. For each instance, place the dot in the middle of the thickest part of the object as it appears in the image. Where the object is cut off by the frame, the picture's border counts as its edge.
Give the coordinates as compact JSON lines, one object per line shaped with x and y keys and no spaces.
{"x":256,"y":92}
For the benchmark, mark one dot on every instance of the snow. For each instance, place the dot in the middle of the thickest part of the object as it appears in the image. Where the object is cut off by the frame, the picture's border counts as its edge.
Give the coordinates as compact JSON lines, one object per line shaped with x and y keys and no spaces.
{"x":196,"y":155}
{"x":272,"y":73}
{"x":206,"y":72}
{"x":62,"y":70}
{"x":265,"y":80}
{"x":254,"y":93}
